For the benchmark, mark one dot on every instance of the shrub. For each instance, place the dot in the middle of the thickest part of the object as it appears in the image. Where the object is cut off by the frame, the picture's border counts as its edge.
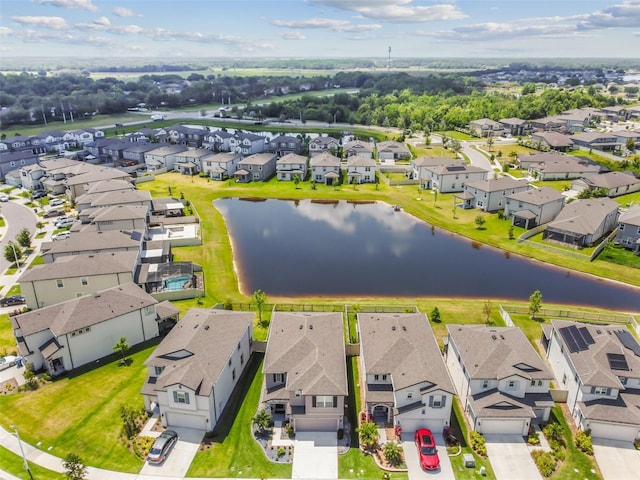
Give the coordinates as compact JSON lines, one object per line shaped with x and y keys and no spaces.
{"x":545,"y":462}
{"x":553,"y":432}
{"x":560,"y":454}
{"x":583,"y":442}
{"x":281,"y":451}
{"x":478,"y":444}
{"x":393,"y":453}
{"x":340,"y":433}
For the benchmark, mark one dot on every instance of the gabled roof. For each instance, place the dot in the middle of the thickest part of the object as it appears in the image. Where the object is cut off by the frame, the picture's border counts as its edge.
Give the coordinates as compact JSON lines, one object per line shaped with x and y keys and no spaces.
{"x":309,"y":349}
{"x":292,"y":159}
{"x":631,"y":216}
{"x":612,"y":180}
{"x":402,"y":345}
{"x":96,"y":175}
{"x":583,"y":216}
{"x":167,"y":150}
{"x":81,"y":312}
{"x":537,"y":196}
{"x":120,"y":212}
{"x":497,"y":184}
{"x":497,"y":352}
{"x":90,"y":241}
{"x":224,"y":157}
{"x":109,"y":185}
{"x":325,"y":159}
{"x":435,"y":161}
{"x":360,"y":161}
{"x":554,"y":139}
{"x":71,"y":266}
{"x":197,"y":349}
{"x":257,"y":159}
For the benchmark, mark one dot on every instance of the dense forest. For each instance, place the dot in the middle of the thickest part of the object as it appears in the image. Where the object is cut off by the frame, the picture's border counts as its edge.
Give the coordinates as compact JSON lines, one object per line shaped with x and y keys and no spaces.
{"x":390,"y":99}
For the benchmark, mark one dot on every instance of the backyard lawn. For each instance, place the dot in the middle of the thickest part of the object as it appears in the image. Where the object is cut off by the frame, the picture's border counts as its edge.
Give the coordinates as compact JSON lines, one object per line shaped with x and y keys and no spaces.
{"x":80,"y":414}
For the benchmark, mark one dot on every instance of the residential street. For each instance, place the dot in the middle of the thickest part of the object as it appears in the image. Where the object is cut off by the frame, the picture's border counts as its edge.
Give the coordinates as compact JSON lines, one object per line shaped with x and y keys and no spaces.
{"x":17,"y":217}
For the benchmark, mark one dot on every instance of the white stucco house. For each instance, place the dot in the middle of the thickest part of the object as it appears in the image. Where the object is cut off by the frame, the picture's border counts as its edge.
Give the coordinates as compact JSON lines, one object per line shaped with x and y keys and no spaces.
{"x":325,"y":168}
{"x":195,"y":368}
{"x":599,"y":367}
{"x":69,"y":334}
{"x":502,"y":382}
{"x":361,"y":169}
{"x":290,"y":165}
{"x":406,"y":381}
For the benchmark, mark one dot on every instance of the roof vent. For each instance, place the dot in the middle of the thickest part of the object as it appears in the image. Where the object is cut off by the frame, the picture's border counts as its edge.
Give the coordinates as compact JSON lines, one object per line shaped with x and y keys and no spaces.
{"x":310,"y":327}
{"x":494,"y":337}
{"x":206,"y":327}
{"x":404,"y":328}
{"x":393,"y":328}
{"x":300,"y":327}
{"x":502,"y":337}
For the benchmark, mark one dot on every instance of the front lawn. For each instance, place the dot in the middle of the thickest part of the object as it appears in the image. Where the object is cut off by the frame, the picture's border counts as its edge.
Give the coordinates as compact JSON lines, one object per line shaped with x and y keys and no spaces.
{"x":234,"y":452}
{"x":13,"y":464}
{"x":7,"y":340}
{"x":80,"y":413}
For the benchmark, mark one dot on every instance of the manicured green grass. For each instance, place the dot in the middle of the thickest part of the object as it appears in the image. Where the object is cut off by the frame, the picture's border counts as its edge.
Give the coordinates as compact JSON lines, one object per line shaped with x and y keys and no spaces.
{"x":458,"y":135}
{"x":13,"y":464}
{"x":234,"y":452}
{"x":619,"y":255}
{"x":7,"y":340}
{"x":80,"y":414}
{"x":14,"y":290}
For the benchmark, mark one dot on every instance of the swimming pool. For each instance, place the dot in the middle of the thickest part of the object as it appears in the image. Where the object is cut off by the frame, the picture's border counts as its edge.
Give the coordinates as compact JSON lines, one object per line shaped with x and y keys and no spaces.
{"x":176,"y":283}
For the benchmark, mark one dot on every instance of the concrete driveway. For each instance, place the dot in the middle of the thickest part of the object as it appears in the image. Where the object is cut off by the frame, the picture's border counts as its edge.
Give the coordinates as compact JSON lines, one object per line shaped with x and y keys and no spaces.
{"x":415,"y":472}
{"x":617,"y":460}
{"x":180,"y":457}
{"x":510,"y":458}
{"x":315,"y":455}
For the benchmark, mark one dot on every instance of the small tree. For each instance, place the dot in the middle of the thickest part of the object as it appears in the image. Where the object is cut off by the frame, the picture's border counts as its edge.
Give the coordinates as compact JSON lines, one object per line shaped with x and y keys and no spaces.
{"x":490,"y":142}
{"x":12,"y":252}
{"x":296,"y":180}
{"x":74,"y":467}
{"x":30,"y":377}
{"x":435,"y":315}
{"x":511,"y":234}
{"x":480,"y":221}
{"x":123,"y":347}
{"x":535,"y":303}
{"x":368,"y":435}
{"x":262,"y":420}
{"x":24,"y":238}
{"x":392,"y":453}
{"x":259,"y":298}
{"x":487,"y":309}
{"x":128,"y":415}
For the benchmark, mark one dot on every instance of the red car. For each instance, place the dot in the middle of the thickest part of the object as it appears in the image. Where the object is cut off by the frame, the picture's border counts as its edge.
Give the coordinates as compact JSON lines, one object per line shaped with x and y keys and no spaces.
{"x":427,"y":450}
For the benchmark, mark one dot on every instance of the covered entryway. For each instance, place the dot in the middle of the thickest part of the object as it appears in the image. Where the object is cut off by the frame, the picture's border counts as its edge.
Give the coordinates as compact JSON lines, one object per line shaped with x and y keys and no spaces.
{"x":511,"y":426}
{"x":316,"y":425}
{"x":186,"y":420}
{"x":610,"y":431}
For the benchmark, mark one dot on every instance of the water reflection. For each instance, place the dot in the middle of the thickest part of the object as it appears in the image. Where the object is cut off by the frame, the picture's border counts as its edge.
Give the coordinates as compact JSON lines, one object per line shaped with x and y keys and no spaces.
{"x":316,"y":248}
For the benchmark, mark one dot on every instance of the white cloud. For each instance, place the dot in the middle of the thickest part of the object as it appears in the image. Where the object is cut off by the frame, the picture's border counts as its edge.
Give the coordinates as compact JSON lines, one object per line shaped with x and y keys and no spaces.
{"x":125,"y":12}
{"x":295,"y":35}
{"x":80,"y":4}
{"x":625,"y":14}
{"x":102,"y":21}
{"x":54,"y":23}
{"x":328,"y":23}
{"x":31,"y":36}
{"x":396,"y":11}
{"x":5,"y":31}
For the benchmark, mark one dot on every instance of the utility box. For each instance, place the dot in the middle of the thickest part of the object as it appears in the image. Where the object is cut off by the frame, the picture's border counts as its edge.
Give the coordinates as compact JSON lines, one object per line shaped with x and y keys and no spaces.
{"x":469,"y":460}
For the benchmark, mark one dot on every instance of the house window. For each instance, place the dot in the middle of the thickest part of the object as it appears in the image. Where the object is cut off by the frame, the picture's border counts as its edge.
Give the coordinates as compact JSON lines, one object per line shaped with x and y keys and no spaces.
{"x":238,"y":346}
{"x":564,"y":379}
{"x":60,"y":283}
{"x":242,"y":359}
{"x":324,"y":401}
{"x":376,"y":377}
{"x":150,"y":310}
{"x":384,"y":378}
{"x":511,"y":385}
{"x":485,"y":383}
{"x":409,"y":394}
{"x":233,"y":374}
{"x":621,"y":227}
{"x":229,"y":362}
{"x":181,"y":397}
{"x":84,"y":281}
{"x":600,"y":390}
{"x":278,"y":377}
{"x":623,"y":380}
{"x":158,"y":370}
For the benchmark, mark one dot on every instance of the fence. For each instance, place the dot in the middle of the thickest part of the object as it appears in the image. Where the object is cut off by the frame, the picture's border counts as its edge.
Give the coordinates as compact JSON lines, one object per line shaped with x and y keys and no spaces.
{"x":506,"y":317}
{"x":571,"y":314}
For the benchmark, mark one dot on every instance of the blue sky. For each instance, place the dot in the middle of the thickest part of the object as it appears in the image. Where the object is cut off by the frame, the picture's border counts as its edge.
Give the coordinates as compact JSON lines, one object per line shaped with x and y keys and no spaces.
{"x":320,"y":28}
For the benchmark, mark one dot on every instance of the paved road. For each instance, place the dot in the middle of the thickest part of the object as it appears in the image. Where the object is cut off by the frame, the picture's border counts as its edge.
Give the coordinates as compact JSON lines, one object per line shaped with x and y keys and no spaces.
{"x":17,"y":217}
{"x":476,"y":158}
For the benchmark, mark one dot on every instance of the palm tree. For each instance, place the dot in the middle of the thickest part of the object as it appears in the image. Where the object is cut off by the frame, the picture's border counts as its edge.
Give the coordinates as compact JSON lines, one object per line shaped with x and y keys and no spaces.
{"x":368,"y":435}
{"x":262,"y":420}
{"x":393,"y":453}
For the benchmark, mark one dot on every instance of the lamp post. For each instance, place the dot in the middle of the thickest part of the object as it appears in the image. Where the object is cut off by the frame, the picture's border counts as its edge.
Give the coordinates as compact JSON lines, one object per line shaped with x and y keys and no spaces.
{"x":15,"y":255}
{"x":24,"y":458}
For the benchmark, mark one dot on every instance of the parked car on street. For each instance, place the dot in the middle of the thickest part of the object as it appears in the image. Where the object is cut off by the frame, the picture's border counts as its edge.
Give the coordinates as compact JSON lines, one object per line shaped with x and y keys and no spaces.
{"x":54,"y":212}
{"x":12,"y":300}
{"x":6,"y":362}
{"x":38,"y":194}
{"x":56,"y":201}
{"x":4,"y":197}
{"x":427,"y":450}
{"x":161,"y":446}
{"x":61,"y":235}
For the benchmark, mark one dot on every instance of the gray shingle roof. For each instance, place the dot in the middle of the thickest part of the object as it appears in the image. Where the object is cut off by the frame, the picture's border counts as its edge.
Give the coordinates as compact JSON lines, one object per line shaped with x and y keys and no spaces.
{"x":497,"y":184}
{"x":325,"y":159}
{"x":309,"y":348}
{"x":402,"y":345}
{"x":537,"y":196}
{"x":583,"y":216}
{"x":71,"y":266}
{"x":210,"y":336}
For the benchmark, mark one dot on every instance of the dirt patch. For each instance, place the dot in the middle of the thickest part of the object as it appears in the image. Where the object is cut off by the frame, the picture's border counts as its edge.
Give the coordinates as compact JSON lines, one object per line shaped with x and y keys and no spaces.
{"x":9,"y":386}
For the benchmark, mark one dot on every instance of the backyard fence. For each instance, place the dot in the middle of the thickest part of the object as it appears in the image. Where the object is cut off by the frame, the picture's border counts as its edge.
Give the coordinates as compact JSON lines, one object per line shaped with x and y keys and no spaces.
{"x":570,"y":314}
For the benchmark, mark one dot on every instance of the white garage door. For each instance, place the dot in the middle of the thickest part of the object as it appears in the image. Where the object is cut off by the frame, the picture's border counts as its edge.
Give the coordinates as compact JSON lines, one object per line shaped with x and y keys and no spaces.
{"x":626,"y":433}
{"x":410,"y":425}
{"x":510,"y":426}
{"x":186,"y":420}
{"x":316,"y":425}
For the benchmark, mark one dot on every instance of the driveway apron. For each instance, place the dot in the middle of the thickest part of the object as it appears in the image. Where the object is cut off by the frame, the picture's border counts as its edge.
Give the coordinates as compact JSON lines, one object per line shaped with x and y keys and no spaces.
{"x":414,"y":470}
{"x":510,"y":458}
{"x":180,"y":457}
{"x":617,"y":460}
{"x":315,"y":455}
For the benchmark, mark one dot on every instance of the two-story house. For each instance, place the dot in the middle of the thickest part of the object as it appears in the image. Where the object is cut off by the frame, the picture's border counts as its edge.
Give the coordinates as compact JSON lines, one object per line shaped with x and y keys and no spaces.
{"x":290,"y":165}
{"x":406,"y":381}
{"x":191,"y":161}
{"x":163,"y":157}
{"x":69,"y":334}
{"x":599,"y":367}
{"x":284,"y":144}
{"x":221,"y":165}
{"x":502,"y":382}
{"x":533,"y":207}
{"x":361,"y":169}
{"x":92,"y":242}
{"x":195,"y":368}
{"x":218,"y":141}
{"x":324,"y":144}
{"x":189,"y":136}
{"x":357,"y":147}
{"x":258,"y":167}
{"x":516,"y":126}
{"x":305,"y":370}
{"x":485,"y":127}
{"x":628,"y":234}
{"x":325,"y":168}
{"x":390,"y":151}
{"x":247,"y":143}
{"x":490,"y":195}
{"x":447,"y":175}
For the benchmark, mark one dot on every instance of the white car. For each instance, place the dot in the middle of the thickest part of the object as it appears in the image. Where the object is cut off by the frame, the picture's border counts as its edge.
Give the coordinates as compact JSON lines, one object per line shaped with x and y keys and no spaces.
{"x":56,"y":201}
{"x":4,"y":197}
{"x":61,"y":235}
{"x":6,"y":362}
{"x":64,"y":222}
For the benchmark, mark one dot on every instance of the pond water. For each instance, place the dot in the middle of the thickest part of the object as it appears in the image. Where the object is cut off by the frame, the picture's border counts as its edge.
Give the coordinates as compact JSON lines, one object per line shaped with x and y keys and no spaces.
{"x":309,"y":248}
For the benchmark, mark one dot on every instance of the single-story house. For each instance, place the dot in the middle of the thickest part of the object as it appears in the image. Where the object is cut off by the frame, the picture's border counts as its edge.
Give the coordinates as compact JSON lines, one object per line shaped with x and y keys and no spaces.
{"x":597,"y":140}
{"x":583,"y":222}
{"x":563,"y":169}
{"x":613,"y":183}
{"x":392,"y":150}
{"x":195,"y":368}
{"x":552,"y":140}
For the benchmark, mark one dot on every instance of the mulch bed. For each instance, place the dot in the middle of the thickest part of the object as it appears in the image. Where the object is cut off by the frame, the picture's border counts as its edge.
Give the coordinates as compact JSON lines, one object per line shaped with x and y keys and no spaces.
{"x":9,"y":386}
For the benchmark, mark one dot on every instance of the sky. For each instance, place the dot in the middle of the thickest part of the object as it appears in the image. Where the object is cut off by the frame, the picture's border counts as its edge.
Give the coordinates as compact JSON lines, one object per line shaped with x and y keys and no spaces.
{"x":173,"y":29}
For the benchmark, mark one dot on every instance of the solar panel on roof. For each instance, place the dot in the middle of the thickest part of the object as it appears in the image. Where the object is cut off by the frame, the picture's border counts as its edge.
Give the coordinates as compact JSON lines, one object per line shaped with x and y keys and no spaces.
{"x":582,"y":345}
{"x":568,"y":339}
{"x":586,"y":335}
{"x":628,"y":341}
{"x":617,"y":361}
{"x":135,"y":235}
